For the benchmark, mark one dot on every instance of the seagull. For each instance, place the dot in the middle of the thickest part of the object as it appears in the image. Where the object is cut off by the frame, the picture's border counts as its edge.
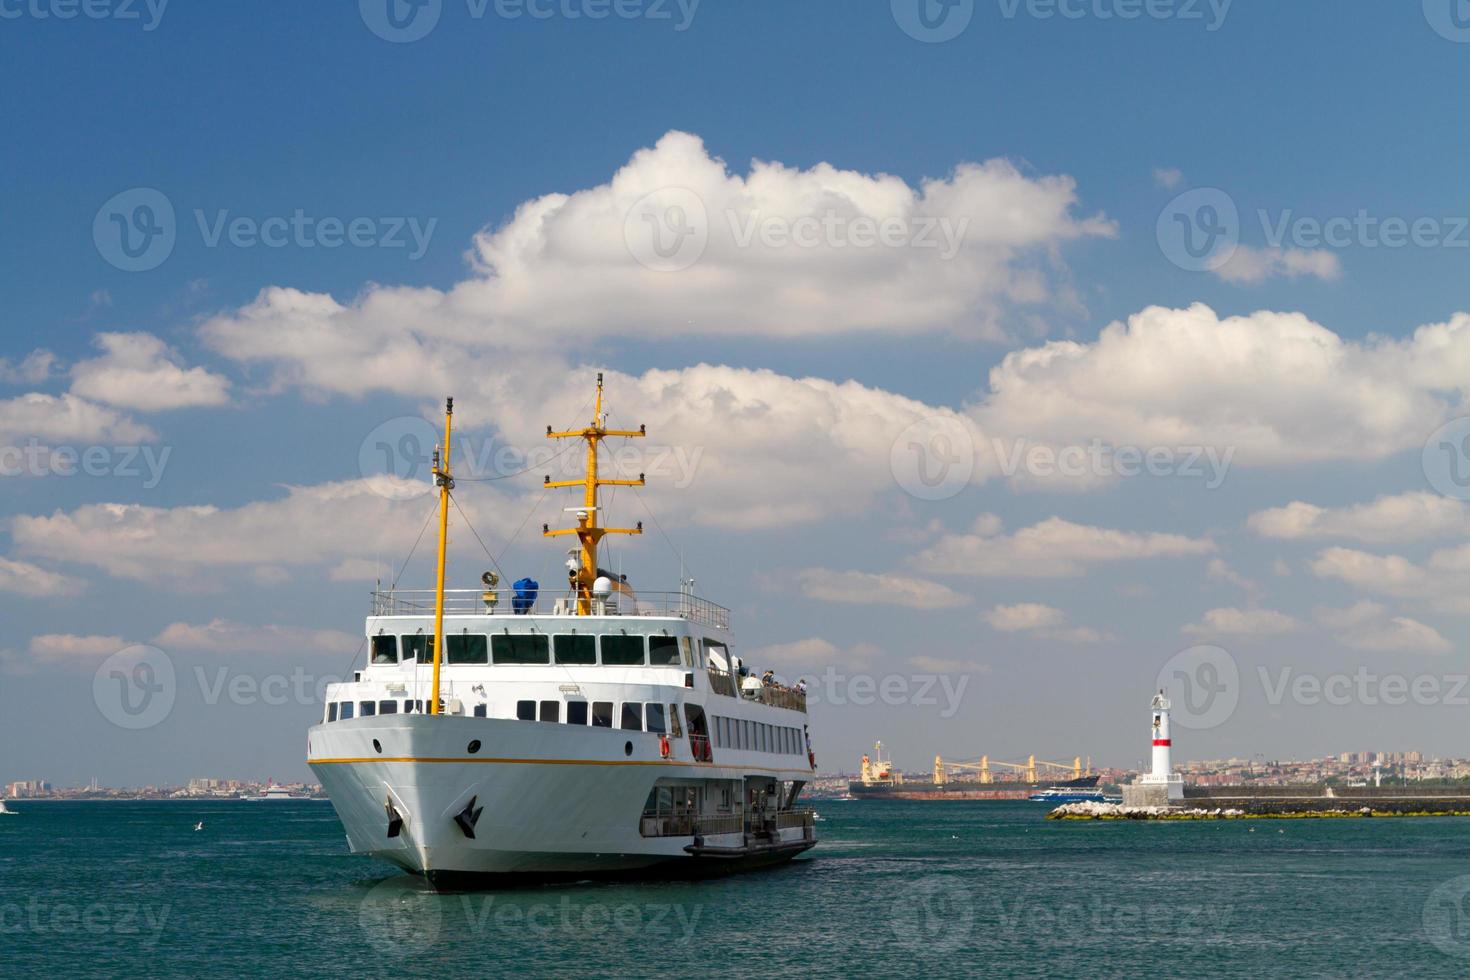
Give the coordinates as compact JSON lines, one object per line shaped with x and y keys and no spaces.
{"x":199,"y":825}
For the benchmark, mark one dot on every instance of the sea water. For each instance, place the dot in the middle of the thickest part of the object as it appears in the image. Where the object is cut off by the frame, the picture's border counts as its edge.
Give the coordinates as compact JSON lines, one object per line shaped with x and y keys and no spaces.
{"x":895,"y":888}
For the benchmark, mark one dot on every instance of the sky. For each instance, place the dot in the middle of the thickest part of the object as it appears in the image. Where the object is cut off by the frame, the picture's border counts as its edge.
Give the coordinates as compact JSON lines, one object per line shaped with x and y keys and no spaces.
{"x":1002,"y":360}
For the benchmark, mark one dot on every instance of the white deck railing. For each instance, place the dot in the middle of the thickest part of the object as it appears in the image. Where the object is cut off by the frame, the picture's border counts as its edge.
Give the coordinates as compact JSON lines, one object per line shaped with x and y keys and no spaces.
{"x":502,"y":602}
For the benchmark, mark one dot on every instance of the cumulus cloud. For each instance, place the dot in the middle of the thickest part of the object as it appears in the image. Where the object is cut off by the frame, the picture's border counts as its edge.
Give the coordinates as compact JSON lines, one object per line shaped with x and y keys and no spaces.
{"x":35,"y":368}
{"x":866,"y":588}
{"x":1054,"y":548}
{"x":224,"y":636}
{"x":1249,"y":265}
{"x":1168,"y":177}
{"x":1411,"y":516}
{"x":1230,"y":621}
{"x":64,"y":647}
{"x":1275,"y":388}
{"x":309,"y":525}
{"x":784,"y":658}
{"x":52,"y":419}
{"x":138,"y":371}
{"x":1367,"y":626}
{"x":1042,"y":620}
{"x":23,"y":578}
{"x":1441,"y":582}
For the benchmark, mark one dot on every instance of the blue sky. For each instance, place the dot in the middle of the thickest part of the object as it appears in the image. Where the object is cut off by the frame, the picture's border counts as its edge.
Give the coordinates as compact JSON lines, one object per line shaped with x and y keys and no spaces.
{"x":1084,"y":129}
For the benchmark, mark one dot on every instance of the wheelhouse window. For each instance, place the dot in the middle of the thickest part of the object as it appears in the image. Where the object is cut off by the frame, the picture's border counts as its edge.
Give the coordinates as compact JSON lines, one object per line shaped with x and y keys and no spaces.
{"x":632,"y":717}
{"x":575,"y":648}
{"x":385,"y":649}
{"x":525,"y":710}
{"x":576,"y":712}
{"x":466,"y":648}
{"x":347,"y":707}
{"x":551,"y":711}
{"x":620,"y":650}
{"x":663,"y":651}
{"x":654,"y":714}
{"x":367,"y":708}
{"x":521,"y":648}
{"x":602,"y":714}
{"x":332,"y":711}
{"x":387,"y":707}
{"x":419,"y":647}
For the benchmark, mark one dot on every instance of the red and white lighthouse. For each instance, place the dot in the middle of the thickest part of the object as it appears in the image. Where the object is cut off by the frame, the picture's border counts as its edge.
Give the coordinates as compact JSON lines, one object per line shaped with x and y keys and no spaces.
{"x":1163,"y":773}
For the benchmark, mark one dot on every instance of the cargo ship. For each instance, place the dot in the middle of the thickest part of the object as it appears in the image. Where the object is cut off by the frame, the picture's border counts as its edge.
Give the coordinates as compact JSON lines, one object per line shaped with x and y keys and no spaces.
{"x":878,"y":780}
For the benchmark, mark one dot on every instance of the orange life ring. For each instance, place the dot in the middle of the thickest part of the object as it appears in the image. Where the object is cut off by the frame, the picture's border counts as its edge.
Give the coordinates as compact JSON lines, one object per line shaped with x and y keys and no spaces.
{"x":663,"y":746}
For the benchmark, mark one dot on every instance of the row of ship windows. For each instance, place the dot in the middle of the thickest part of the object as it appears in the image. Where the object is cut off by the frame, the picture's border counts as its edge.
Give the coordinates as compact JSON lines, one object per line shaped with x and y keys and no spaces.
{"x":568,"y":649}
{"x":635,"y":716}
{"x":754,"y":736}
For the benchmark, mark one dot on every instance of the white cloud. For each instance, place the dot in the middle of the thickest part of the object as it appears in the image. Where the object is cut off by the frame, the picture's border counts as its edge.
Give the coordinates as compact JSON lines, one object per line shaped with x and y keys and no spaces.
{"x":1054,"y":548}
{"x":1231,"y":621}
{"x":1367,"y":626}
{"x":1411,"y":516}
{"x":35,"y":369}
{"x":359,"y":570}
{"x":1024,"y":616}
{"x":223,"y":636}
{"x":866,"y":588}
{"x":184,"y":545}
{"x":138,"y":371}
{"x":31,"y":580}
{"x":1391,"y":575}
{"x":1219,"y":571}
{"x":945,"y":665}
{"x":787,"y":659}
{"x":63,"y":647}
{"x":1275,"y":388}
{"x":1254,"y":265}
{"x":53,"y":419}
{"x":1168,"y":177}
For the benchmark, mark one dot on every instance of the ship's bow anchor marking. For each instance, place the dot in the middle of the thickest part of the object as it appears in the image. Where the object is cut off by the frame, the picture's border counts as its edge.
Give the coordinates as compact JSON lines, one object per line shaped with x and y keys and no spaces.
{"x":395,"y":819}
{"x":468,"y":817}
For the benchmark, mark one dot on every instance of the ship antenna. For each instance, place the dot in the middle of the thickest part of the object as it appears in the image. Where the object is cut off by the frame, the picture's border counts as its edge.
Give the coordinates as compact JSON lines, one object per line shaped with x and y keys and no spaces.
{"x":589,"y":529}
{"x":445,"y":481}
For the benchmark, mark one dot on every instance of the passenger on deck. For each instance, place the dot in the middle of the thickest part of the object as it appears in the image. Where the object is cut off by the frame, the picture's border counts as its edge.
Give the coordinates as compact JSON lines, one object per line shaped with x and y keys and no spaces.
{"x":801,"y":687}
{"x":768,"y":678}
{"x":751,"y":687}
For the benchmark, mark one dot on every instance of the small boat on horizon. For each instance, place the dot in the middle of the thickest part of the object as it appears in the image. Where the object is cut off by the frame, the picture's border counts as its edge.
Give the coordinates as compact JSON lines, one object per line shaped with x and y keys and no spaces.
{"x":5,"y":811}
{"x":272,"y":794}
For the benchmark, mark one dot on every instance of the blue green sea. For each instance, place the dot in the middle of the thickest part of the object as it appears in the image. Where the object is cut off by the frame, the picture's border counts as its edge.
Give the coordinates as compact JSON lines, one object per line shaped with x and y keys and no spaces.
{"x":941,"y":889}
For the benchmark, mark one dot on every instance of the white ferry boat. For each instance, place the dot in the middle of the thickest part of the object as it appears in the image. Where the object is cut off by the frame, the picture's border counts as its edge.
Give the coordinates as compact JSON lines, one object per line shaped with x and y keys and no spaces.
{"x":498,"y":736}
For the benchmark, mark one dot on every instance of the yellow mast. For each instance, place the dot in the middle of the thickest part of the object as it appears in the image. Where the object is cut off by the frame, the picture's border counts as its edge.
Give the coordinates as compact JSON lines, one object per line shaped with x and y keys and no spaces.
{"x":589,"y":530}
{"x":445,"y":482}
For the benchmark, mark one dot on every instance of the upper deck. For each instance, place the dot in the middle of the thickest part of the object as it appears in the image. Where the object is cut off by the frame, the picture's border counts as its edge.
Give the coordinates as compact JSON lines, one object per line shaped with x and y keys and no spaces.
{"x":504,"y":603}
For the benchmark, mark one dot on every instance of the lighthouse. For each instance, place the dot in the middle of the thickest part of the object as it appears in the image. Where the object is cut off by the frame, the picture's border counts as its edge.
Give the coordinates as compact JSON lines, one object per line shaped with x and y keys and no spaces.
{"x":1160,"y":786}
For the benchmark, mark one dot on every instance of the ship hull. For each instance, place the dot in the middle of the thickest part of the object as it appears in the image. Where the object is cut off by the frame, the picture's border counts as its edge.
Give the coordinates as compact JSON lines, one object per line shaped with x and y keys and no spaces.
{"x":550,"y":802}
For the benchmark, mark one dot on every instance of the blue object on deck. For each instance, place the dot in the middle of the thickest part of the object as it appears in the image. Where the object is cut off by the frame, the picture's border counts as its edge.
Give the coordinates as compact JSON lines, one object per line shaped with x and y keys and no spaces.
{"x":526,"y":591}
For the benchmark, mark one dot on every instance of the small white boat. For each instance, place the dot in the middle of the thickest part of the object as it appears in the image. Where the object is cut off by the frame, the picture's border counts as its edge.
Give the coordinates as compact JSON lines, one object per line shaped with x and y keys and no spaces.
{"x":5,"y":811}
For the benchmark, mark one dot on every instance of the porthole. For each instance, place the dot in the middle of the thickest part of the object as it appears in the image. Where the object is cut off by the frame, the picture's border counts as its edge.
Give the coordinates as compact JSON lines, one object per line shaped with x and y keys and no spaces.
{"x":377,"y":747}
{"x":473,"y":747}
{"x":627,"y":748}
